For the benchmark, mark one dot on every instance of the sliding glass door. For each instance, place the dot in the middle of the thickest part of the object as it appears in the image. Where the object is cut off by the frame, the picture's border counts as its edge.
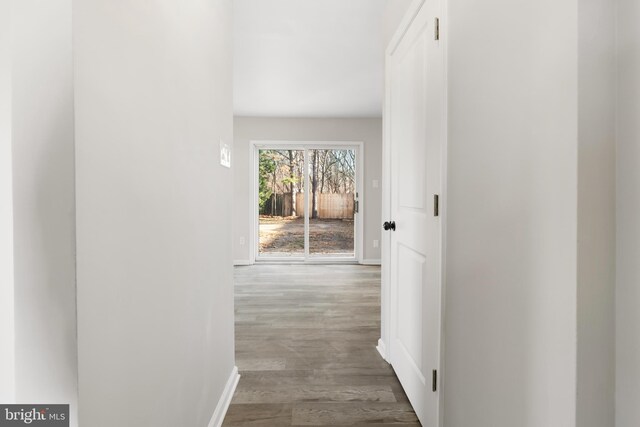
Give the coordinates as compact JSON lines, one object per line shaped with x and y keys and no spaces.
{"x":307,"y":202}
{"x":281,"y":217}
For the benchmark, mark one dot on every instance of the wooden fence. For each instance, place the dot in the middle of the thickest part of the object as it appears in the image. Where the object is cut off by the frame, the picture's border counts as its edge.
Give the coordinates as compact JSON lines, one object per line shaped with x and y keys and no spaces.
{"x":328,"y":205}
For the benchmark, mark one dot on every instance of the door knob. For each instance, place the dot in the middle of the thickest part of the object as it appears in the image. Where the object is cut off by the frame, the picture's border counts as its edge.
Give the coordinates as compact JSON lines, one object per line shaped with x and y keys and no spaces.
{"x":389,"y":225}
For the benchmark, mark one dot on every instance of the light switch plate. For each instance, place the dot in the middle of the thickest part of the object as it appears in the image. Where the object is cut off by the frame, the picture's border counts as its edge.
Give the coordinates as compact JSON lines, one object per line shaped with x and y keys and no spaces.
{"x":375,"y":183}
{"x":225,"y":154}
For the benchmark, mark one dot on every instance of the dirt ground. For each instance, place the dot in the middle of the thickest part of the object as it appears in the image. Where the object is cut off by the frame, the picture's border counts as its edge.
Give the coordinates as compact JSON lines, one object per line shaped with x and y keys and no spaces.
{"x":285,"y":235}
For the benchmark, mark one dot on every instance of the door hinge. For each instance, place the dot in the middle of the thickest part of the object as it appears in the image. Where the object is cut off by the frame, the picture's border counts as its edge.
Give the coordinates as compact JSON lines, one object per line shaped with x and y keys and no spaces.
{"x":436,"y":205}
{"x":356,"y":206}
{"x":434,"y":385}
{"x":437,"y":29}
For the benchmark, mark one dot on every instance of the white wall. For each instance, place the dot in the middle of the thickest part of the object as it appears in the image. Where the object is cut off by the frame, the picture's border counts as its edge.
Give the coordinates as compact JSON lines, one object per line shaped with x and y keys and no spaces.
{"x":510,"y":322}
{"x":368,"y":131}
{"x":596,"y":214}
{"x":44,"y":205}
{"x":155,"y":287}
{"x":7,"y":327}
{"x":628,"y":213}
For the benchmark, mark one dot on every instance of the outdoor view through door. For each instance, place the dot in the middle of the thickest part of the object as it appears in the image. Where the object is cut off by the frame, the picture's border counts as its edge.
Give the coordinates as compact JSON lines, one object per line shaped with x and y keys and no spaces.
{"x":312,"y":214}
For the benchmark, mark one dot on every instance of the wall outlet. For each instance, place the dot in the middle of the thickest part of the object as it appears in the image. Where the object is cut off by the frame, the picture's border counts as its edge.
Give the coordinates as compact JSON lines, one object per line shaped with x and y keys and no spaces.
{"x":242,"y":241}
{"x":376,"y":243}
{"x":375,"y":183}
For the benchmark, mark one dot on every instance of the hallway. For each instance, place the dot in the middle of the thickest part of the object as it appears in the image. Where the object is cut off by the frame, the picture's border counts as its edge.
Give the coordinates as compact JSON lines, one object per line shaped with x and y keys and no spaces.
{"x":305,"y":348}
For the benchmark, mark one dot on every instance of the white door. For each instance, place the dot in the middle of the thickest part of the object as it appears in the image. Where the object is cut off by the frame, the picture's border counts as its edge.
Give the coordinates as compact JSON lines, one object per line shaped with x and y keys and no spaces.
{"x":416,"y":120}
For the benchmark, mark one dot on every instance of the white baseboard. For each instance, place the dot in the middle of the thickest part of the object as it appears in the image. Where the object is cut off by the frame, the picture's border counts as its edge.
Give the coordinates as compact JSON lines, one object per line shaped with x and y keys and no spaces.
{"x":371,"y":262}
{"x":225,"y":399}
{"x":242,"y":262}
{"x":382,"y":349}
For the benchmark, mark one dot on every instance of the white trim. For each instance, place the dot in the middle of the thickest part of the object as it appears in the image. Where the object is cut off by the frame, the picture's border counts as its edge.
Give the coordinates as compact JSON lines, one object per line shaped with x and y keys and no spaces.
{"x":253,"y":203}
{"x":311,"y":260}
{"x":242,"y":262}
{"x":358,"y":147}
{"x":225,"y":400}
{"x":294,"y":259}
{"x":382,"y":349}
{"x":299,"y":145}
{"x":305,"y":211}
{"x":371,"y":262}
{"x":358,"y":243}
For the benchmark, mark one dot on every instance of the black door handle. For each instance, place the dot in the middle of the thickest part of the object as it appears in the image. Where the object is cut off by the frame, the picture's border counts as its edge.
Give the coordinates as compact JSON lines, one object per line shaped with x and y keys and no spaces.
{"x":389,"y":225}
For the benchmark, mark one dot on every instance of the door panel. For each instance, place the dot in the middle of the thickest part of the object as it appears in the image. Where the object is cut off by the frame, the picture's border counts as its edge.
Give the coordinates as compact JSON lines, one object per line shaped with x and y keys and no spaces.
{"x":410,"y":278}
{"x":331,"y":204}
{"x":281,"y":222}
{"x":410,"y":132}
{"x":416,"y":120}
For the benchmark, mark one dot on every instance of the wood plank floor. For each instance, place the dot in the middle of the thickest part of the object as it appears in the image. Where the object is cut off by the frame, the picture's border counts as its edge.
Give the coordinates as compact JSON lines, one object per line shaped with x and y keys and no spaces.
{"x":305,"y":348}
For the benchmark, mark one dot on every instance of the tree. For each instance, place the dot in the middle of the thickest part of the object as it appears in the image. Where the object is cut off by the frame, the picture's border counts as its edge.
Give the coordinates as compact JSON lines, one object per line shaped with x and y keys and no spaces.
{"x":282,"y":172}
{"x":314,"y":184}
{"x":266,"y":167}
{"x":292,"y":181}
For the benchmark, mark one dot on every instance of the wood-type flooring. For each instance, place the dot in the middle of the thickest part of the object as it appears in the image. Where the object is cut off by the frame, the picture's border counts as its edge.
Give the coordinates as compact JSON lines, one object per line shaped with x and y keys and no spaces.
{"x":305,"y":349}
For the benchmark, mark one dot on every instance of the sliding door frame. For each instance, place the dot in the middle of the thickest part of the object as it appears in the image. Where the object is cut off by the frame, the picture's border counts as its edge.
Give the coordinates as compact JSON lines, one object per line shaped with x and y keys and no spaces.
{"x":305,"y":146}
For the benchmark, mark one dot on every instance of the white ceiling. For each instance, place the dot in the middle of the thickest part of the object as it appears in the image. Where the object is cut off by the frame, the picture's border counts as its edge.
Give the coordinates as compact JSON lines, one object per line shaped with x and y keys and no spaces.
{"x":308,"y":58}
